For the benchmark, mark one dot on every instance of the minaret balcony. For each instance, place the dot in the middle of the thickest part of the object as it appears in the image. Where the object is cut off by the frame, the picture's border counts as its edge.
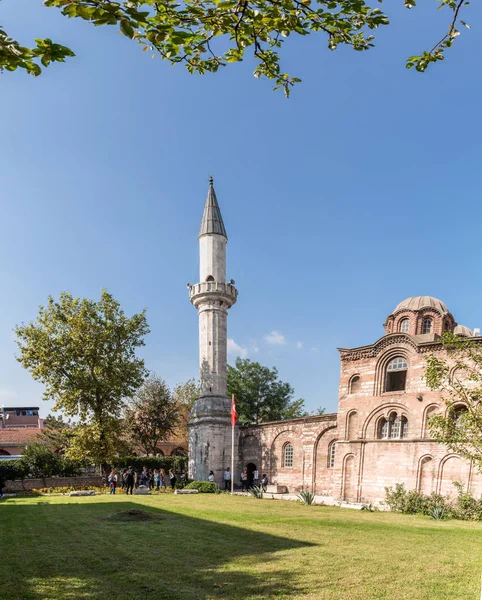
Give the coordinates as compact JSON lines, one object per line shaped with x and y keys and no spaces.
{"x":213,"y":290}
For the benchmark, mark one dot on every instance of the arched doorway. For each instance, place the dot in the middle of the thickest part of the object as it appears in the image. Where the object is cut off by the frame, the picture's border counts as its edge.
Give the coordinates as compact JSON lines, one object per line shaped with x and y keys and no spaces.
{"x":4,"y":452}
{"x":251,"y":468}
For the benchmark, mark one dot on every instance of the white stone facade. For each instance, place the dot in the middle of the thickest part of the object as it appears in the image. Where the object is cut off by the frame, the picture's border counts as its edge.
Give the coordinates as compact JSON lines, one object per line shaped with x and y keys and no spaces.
{"x":210,"y":428}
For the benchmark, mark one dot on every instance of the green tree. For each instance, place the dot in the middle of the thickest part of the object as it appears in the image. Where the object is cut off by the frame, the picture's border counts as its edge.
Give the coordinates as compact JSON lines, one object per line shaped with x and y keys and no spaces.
{"x":56,"y":433}
{"x":84,"y":352}
{"x":38,"y":460}
{"x":185,"y":394}
{"x":205,"y":35}
{"x":259,"y":395}
{"x":457,"y":373}
{"x":152,"y":415}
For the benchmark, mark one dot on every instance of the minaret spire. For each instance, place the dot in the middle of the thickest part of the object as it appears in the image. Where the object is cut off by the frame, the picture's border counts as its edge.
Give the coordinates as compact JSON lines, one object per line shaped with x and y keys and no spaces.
{"x":212,"y":221}
{"x":210,"y":422}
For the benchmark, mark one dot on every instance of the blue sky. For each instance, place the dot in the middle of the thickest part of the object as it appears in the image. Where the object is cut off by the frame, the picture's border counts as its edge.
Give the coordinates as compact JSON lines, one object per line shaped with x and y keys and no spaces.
{"x":360,"y":190}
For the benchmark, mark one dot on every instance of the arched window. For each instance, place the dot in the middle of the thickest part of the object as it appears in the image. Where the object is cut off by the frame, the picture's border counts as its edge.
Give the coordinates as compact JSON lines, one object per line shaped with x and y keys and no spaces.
{"x":383,"y":429}
{"x":355,"y":384}
{"x":394,"y":426}
{"x":210,"y":278}
{"x":427,"y":326}
{"x":404,"y":323}
{"x":288,"y":454}
{"x":352,"y":425}
{"x":396,"y":375}
{"x":458,"y":415}
{"x":404,"y":429}
{"x":331,"y":454}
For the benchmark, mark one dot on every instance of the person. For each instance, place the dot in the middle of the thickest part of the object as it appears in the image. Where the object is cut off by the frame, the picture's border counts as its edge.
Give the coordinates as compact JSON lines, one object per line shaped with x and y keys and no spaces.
{"x":151,"y":479}
{"x":123,"y":478}
{"x":264,"y":482}
{"x":183,"y":478}
{"x":255,"y":478}
{"x":157,"y":479}
{"x":144,"y":478}
{"x":163,"y":479}
{"x":244,"y":480}
{"x":130,"y":479}
{"x":211,"y":476}
{"x":112,"y":481}
{"x":227,"y":480}
{"x":172,"y":478}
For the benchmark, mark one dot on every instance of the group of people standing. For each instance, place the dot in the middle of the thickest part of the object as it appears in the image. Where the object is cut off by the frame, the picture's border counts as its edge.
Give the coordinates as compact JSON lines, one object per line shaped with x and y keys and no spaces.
{"x":154,"y":479}
{"x":256,"y":482}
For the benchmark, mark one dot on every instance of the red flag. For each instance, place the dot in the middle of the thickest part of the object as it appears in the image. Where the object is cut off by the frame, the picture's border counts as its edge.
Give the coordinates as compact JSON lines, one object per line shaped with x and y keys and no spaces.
{"x":234,"y":414}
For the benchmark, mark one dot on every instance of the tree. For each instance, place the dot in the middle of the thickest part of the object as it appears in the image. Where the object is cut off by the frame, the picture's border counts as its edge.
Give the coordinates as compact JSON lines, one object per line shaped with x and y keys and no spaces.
{"x":185,"y":394}
{"x":152,"y":415}
{"x":56,"y":433}
{"x":459,"y":377}
{"x":259,"y":395}
{"x":84,"y":352}
{"x":205,"y":35}
{"x":40,"y":461}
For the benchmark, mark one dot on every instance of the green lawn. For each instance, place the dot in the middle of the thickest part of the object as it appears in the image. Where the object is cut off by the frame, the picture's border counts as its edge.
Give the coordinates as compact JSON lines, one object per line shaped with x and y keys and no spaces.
{"x":207,"y":546}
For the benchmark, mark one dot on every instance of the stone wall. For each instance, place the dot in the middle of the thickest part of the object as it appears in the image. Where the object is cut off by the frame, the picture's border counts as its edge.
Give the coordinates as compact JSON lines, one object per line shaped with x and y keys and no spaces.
{"x":35,"y":484}
{"x":362,"y":464}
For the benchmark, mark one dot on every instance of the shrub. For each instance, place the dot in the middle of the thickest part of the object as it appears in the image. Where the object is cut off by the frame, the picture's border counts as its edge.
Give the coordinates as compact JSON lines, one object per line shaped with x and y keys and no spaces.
{"x":256,"y":491}
{"x":204,"y":487}
{"x":307,"y":497}
{"x":464,"y":506}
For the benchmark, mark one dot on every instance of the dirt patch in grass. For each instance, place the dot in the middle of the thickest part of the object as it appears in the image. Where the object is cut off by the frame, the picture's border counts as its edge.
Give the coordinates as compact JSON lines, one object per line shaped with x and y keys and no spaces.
{"x":134,"y":515}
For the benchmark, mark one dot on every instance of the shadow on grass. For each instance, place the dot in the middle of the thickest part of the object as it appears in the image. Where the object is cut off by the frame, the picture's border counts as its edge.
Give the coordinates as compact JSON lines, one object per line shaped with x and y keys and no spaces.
{"x":81,"y":551}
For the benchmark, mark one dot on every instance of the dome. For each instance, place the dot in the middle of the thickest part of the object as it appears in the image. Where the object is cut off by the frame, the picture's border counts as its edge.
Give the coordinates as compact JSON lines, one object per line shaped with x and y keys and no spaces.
{"x":464,"y":331}
{"x":419,"y":302}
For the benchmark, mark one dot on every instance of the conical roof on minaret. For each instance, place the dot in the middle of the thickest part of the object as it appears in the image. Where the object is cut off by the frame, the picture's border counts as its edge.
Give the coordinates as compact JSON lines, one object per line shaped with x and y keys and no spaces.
{"x":212,"y":221}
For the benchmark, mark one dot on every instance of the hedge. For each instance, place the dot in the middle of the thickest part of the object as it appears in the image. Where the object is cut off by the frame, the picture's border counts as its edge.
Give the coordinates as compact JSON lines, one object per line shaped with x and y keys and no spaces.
{"x":205,"y":487}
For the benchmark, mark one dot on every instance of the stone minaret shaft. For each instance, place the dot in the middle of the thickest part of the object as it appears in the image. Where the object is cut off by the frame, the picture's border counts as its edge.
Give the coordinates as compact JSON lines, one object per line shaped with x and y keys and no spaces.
{"x":213,"y":296}
{"x":210,"y":423}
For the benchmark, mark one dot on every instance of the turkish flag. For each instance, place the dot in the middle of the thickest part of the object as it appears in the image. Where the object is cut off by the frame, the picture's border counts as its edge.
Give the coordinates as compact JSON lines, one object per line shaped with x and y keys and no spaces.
{"x":234,"y":414}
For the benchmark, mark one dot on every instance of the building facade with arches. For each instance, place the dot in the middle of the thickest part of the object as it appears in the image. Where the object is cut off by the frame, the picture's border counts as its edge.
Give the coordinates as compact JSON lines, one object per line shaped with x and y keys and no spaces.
{"x":380,"y":434}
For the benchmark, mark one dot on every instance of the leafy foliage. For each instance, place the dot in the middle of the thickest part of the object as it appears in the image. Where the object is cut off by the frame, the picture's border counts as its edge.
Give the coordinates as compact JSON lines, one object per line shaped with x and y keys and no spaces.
{"x":260,"y":396}
{"x":40,"y":461}
{"x":56,"y":433}
{"x":463,"y":506}
{"x":459,"y":376}
{"x":185,"y":394}
{"x":152,"y":415}
{"x":205,"y":487}
{"x":307,"y":497}
{"x":84,"y":353}
{"x":256,"y":491}
{"x":12,"y":469}
{"x":205,"y":35}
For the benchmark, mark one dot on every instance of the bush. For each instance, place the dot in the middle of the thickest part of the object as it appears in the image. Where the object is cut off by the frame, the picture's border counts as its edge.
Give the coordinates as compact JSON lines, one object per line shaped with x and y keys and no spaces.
{"x":12,"y":469}
{"x":204,"y":487}
{"x":464,"y":506}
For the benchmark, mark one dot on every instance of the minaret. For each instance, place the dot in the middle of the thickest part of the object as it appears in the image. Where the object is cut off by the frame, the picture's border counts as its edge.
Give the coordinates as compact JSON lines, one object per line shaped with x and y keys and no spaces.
{"x":210,"y":422}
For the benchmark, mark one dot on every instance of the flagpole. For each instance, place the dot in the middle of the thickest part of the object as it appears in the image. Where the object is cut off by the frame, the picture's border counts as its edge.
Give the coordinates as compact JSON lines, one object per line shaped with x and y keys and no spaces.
{"x":232,"y":460}
{"x":233,"y":423}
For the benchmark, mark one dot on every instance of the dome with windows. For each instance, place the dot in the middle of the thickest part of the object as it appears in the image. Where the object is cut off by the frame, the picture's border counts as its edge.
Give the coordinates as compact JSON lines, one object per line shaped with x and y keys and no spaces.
{"x":463,"y":331}
{"x":419,"y":302}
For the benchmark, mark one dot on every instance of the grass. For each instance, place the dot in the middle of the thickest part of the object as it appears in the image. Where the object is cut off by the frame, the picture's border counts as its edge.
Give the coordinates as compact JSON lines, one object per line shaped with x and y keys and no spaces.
{"x":209,"y":547}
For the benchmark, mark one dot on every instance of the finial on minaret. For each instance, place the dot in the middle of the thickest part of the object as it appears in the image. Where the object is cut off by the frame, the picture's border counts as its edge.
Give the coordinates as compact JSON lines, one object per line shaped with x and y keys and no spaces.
{"x":211,"y":180}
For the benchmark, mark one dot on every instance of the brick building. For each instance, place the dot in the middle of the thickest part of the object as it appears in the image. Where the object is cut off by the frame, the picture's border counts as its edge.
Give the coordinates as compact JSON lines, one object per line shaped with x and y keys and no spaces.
{"x":379,"y":436}
{"x":19,"y":425}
